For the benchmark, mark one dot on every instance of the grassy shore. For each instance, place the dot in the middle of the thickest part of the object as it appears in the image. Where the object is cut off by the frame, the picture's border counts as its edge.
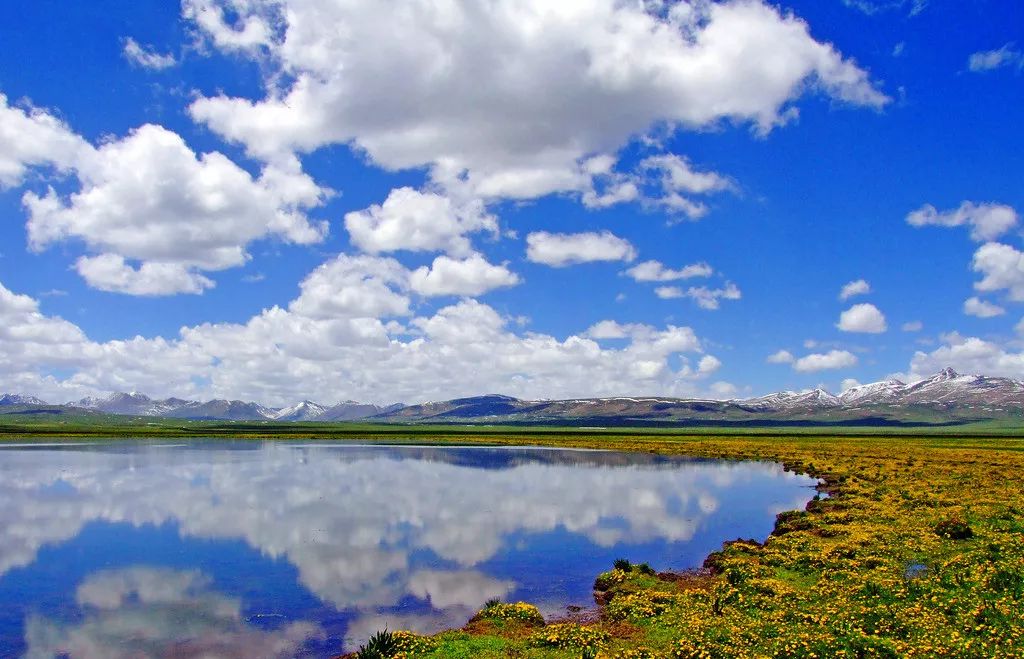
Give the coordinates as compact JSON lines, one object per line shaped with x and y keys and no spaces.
{"x":917,"y":551}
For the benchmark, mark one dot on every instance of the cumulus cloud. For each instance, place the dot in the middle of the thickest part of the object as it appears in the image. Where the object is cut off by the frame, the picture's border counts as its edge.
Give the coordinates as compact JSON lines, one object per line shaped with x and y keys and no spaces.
{"x":146,"y":56}
{"x":987,"y":221}
{"x":1003,"y":269}
{"x":968,"y":355}
{"x":110,"y":272}
{"x":471,"y":276}
{"x":611,"y":329}
{"x":975,"y":306}
{"x":561,"y":249}
{"x":349,"y":334}
{"x":33,"y":137}
{"x":912,"y":326}
{"x":354,"y":287}
{"x":781,"y":357}
{"x":848,"y":383}
{"x":418,"y":221}
{"x":854,"y":288}
{"x":656,"y":271}
{"x":149,"y":198}
{"x":864,"y":318}
{"x":989,"y":60}
{"x":432,"y":85}
{"x":834,"y":359}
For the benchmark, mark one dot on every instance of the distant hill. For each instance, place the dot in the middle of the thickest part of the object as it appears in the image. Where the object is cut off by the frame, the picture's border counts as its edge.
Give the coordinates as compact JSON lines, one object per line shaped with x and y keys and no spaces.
{"x":945,"y":398}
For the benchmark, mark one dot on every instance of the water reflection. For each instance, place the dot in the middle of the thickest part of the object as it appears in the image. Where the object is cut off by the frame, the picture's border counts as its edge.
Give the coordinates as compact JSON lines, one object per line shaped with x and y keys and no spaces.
{"x":239,"y":543}
{"x":153,"y":612}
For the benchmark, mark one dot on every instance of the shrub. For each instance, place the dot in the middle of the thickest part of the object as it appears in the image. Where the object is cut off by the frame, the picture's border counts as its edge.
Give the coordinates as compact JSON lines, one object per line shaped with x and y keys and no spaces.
{"x":517,"y":612}
{"x":954,"y":528}
{"x":381,"y":645}
{"x":623,"y":564}
{"x":606,"y":580}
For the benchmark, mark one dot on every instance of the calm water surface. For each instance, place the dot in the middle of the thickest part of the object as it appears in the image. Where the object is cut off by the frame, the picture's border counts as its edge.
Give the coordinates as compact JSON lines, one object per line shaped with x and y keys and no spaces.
{"x":246,"y":549}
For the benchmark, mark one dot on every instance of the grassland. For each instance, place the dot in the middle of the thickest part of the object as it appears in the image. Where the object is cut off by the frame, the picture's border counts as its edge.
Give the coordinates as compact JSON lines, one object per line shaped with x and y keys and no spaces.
{"x":917,"y":551}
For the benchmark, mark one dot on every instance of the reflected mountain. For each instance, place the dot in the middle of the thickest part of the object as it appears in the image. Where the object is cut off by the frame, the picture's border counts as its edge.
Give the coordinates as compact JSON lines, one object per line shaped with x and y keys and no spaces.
{"x":350,"y":537}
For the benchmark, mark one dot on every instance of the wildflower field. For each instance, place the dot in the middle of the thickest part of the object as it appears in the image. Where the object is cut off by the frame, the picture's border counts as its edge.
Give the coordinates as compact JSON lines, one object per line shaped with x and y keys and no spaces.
{"x":915,"y":549}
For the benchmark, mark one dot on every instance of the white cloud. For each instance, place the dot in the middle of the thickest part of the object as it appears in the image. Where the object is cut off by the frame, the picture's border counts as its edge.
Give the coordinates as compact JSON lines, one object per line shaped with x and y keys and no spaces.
{"x":348,"y":335}
{"x":708,"y":364}
{"x":610,"y":329}
{"x":146,"y":57}
{"x":32,"y":137}
{"x":418,"y":221}
{"x":854,"y":288}
{"x":354,"y":287}
{"x":149,"y":198}
{"x":724,"y":390}
{"x":110,"y":272}
{"x":656,"y":271}
{"x":987,"y":221}
{"x":561,"y":249}
{"x":669,"y":292}
{"x":470,"y":276}
{"x":233,"y":25}
{"x":912,"y":326}
{"x":1003,"y":269}
{"x":849,"y":383}
{"x":781,"y":357}
{"x":864,"y":318}
{"x":968,"y":355}
{"x":989,"y":60}
{"x":677,"y":179}
{"x":710,"y":298}
{"x":432,"y":85}
{"x":975,"y":306}
{"x":872,"y":7}
{"x":706,"y":298}
{"x":834,"y":359}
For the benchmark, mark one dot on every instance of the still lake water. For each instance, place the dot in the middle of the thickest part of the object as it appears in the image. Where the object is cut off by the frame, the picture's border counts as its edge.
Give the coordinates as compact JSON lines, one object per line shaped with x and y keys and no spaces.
{"x":253,"y":549}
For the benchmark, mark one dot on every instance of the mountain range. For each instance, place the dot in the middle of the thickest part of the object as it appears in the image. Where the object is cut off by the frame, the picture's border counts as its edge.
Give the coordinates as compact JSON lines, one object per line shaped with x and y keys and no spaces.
{"x":946,"y":397}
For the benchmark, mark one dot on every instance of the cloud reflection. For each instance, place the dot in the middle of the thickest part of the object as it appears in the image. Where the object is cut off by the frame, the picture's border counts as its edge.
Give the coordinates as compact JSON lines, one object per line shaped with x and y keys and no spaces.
{"x":351,"y":519}
{"x":154,"y":612}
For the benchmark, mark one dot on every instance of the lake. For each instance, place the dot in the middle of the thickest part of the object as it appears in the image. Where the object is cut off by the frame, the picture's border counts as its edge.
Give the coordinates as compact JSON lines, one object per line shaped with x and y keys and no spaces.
{"x":251,"y":549}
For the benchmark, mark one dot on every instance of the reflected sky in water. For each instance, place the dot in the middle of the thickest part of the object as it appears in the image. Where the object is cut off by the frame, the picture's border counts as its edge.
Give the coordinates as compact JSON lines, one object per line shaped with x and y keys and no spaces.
{"x":245,"y":549}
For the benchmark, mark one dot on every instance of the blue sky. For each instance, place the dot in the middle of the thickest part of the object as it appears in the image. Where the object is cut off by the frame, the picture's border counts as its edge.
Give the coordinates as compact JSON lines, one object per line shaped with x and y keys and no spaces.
{"x":282,"y":199}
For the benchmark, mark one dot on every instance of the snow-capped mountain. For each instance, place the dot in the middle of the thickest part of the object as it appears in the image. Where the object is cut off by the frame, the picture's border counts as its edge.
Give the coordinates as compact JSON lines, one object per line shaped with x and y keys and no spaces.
{"x":944,"y":390}
{"x":7,"y":400}
{"x":793,"y":400}
{"x":304,"y":411}
{"x":132,"y":404}
{"x":885,"y":392}
{"x":946,"y":396}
